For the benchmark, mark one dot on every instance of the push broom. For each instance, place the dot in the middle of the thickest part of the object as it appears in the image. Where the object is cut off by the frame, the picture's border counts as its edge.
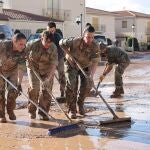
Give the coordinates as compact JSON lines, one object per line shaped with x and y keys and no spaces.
{"x":54,"y":131}
{"x":115,"y":119}
{"x":94,"y":92}
{"x":58,"y":130}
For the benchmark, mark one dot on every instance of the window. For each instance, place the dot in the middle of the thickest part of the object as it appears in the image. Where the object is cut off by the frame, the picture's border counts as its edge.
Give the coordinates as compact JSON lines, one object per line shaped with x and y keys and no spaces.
{"x":124,"y":24}
{"x":95,"y":23}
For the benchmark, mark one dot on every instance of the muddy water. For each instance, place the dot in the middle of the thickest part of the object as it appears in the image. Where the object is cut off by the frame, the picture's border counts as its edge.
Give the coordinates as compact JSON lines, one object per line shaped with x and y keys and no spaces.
{"x":26,"y":134}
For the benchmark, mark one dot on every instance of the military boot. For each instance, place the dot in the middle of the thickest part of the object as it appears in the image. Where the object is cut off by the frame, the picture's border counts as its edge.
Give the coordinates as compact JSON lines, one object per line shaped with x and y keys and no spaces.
{"x":43,"y":117}
{"x":32,"y":115}
{"x":62,"y":94}
{"x":12,"y":115}
{"x":11,"y":104}
{"x":117,"y":93}
{"x":2,"y":117}
{"x":62,"y":98}
{"x":81,"y":108}
{"x":72,"y":115}
{"x":10,"y":109}
{"x":72,"y":111}
{"x":2,"y":109}
{"x":121,"y":90}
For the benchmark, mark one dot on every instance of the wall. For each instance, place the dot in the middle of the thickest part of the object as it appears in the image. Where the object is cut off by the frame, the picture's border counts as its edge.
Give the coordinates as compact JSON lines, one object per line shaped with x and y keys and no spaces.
{"x":107,"y":21}
{"x":141,"y":29}
{"x":26,"y":5}
{"x":30,"y":26}
{"x":76,"y":7}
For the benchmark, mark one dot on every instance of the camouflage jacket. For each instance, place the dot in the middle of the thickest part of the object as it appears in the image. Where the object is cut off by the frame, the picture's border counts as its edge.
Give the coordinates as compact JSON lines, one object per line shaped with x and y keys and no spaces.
{"x":115,"y":55}
{"x":40,"y":58}
{"x":11,"y":59}
{"x":84,"y":54}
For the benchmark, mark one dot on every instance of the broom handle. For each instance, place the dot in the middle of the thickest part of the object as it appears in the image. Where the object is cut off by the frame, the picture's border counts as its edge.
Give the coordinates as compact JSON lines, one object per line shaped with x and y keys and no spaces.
{"x":98,"y":86}
{"x":101,"y":81}
{"x":86,"y":76}
{"x":28,"y":98}
{"x":37,"y":75}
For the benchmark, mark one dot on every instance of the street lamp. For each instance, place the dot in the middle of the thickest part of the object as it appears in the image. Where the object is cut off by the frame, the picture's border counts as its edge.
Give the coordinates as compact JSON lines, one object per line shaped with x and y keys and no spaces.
{"x":79,"y":21}
{"x":133,"y":27}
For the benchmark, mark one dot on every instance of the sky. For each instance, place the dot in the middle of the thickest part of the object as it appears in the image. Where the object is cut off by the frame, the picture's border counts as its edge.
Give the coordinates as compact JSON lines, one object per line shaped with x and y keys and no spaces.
{"x":142,"y":6}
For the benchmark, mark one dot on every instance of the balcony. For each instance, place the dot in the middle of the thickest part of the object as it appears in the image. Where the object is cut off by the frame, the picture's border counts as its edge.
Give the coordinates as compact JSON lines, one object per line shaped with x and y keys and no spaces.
{"x":100,"y":28}
{"x":59,"y":14}
{"x":147,"y":32}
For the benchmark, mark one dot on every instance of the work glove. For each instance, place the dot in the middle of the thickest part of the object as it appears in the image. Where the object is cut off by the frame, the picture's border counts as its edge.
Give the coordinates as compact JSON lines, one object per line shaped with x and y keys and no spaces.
{"x":101,"y":78}
{"x":19,"y":88}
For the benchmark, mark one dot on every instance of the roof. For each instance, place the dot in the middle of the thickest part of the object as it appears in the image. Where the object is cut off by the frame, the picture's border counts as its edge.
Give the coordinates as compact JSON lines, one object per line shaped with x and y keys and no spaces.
{"x":20,"y":15}
{"x":98,"y":12}
{"x":4,"y":17}
{"x":127,"y":13}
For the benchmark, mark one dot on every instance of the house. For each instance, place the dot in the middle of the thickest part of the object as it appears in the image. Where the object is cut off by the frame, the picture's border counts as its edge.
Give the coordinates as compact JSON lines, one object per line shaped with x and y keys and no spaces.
{"x":27,"y":23}
{"x":133,"y":24}
{"x":103,"y":21}
{"x":66,"y":11}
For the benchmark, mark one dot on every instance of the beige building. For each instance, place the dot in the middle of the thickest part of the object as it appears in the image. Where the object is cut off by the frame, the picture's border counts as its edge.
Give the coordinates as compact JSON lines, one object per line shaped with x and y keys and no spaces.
{"x":64,"y":10}
{"x":129,"y":23}
{"x":103,"y":21}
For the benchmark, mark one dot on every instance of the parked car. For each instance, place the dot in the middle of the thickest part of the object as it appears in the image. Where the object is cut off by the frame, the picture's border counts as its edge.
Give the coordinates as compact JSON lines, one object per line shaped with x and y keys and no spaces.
{"x":6,"y":30}
{"x":34,"y":37}
{"x":100,"y":38}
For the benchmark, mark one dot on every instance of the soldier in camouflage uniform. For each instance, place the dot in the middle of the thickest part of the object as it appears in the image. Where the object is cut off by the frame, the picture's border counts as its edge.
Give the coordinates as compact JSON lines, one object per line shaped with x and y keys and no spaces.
{"x":12,"y":66}
{"x":86,"y":51}
{"x":51,"y":27}
{"x":43,"y":58}
{"x":117,"y":56}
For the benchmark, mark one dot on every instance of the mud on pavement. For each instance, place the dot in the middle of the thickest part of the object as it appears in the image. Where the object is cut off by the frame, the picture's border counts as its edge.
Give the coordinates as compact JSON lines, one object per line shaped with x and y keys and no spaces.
{"x":26,"y":134}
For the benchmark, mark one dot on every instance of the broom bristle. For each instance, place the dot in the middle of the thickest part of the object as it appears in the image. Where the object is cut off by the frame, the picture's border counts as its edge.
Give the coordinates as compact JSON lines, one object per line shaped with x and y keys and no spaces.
{"x":62,"y":129}
{"x":118,"y":120}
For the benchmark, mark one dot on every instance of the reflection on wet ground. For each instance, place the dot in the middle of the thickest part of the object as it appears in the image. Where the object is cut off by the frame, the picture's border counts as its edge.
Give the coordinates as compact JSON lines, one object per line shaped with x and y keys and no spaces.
{"x":139,"y":131}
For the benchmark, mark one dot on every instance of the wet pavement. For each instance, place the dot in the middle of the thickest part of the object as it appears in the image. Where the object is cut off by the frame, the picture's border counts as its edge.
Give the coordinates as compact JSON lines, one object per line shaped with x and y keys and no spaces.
{"x":26,"y":134}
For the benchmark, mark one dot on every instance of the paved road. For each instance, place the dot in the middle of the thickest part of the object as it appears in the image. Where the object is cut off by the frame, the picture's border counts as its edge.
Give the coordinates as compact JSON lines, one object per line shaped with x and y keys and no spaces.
{"x":26,"y":134}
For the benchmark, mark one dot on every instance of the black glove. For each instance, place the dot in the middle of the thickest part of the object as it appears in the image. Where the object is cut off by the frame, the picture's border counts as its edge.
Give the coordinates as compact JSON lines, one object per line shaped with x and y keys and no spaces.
{"x":19,"y":88}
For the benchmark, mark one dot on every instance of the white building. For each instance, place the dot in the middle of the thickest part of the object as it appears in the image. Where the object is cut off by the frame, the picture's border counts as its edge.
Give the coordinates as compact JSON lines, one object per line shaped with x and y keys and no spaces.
{"x":64,"y":10}
{"x":129,"y":23}
{"x":103,"y":21}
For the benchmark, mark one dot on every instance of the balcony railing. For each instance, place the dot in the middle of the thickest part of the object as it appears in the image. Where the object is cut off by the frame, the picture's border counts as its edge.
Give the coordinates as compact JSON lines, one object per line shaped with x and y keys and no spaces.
{"x":64,"y":15}
{"x":100,"y":28}
{"x":147,"y":32}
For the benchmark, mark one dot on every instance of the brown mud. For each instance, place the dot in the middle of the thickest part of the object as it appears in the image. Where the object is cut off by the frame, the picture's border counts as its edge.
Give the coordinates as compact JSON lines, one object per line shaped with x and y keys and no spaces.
{"x":27,"y":134}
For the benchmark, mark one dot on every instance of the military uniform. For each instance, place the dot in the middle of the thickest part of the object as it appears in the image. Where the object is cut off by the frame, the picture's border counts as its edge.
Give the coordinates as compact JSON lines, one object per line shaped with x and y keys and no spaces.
{"x":60,"y":67}
{"x":85,"y":56}
{"x":40,"y":59}
{"x":10,"y":61}
{"x":117,"y":56}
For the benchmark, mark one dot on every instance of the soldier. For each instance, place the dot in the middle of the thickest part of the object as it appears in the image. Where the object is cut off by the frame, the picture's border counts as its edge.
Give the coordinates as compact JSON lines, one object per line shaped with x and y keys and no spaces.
{"x":43,"y":58}
{"x":51,"y":27}
{"x":117,"y":56}
{"x":12,"y":66}
{"x":86,"y":51}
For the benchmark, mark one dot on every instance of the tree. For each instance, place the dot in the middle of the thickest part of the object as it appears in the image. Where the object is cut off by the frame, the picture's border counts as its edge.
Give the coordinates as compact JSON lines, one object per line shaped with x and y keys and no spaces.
{"x":135,"y":43}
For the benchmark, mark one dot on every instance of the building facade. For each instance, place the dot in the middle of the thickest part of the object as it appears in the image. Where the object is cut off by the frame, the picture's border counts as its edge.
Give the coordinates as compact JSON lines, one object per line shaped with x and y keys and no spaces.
{"x":132,"y":24}
{"x":65,"y":10}
{"x":103,"y":21}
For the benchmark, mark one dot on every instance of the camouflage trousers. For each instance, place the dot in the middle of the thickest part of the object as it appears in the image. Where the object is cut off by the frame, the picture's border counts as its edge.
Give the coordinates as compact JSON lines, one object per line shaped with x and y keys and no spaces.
{"x":38,"y":94}
{"x":61,"y":74}
{"x":11,"y":93}
{"x":119,"y":70}
{"x":75,"y":78}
